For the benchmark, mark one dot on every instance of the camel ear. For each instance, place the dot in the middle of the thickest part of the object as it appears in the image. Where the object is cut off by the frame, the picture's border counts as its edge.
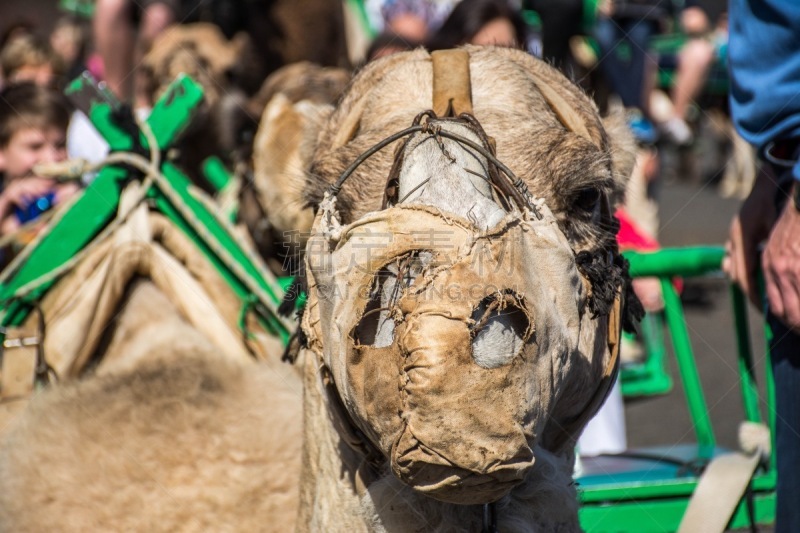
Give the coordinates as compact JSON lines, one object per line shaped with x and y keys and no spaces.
{"x":622,"y":146}
{"x":283,"y":149}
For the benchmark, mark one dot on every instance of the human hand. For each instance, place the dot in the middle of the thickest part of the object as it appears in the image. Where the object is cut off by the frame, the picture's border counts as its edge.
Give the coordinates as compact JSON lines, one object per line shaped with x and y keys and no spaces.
{"x":65,"y":191}
{"x":748,"y":230}
{"x":21,"y":192}
{"x":781,"y":266}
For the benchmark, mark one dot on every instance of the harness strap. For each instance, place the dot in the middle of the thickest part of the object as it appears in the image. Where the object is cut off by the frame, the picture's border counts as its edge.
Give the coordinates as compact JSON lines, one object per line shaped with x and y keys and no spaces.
{"x":725,"y":481}
{"x":452,"y":88}
{"x":20,"y":356}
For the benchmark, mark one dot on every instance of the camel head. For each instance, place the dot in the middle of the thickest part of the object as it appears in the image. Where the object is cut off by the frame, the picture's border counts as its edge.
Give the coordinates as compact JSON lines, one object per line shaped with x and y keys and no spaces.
{"x":465,"y":288}
{"x":199,"y":50}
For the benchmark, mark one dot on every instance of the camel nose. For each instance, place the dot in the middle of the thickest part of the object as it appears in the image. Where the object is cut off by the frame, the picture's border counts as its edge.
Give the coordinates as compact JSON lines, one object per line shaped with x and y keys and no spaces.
{"x":449,"y":175}
{"x":498,"y":332}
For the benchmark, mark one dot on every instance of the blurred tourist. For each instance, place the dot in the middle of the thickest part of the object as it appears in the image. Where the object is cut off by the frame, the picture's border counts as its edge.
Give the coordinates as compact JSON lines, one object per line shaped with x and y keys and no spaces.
{"x":707,"y":42}
{"x":123,"y":31}
{"x":632,"y":23}
{"x":484,"y":22}
{"x":69,"y":40}
{"x":28,"y":58}
{"x":33,"y":125}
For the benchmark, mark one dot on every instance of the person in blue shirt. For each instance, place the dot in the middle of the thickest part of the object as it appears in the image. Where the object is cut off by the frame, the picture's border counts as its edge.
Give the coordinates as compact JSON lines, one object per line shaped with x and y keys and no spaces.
{"x":631,"y":23}
{"x":764,"y":55}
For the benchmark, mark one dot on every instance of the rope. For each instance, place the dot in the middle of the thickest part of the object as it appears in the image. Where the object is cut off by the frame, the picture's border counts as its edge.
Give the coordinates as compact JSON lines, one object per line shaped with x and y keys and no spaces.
{"x":151,"y":170}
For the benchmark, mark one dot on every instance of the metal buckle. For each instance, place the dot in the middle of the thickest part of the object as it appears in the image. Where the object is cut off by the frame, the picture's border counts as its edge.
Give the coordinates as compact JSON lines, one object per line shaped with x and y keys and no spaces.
{"x":21,"y":343}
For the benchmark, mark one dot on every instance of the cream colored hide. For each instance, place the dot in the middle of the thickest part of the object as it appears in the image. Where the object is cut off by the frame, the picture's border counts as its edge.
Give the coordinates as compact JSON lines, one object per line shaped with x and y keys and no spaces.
{"x":452,"y":359}
{"x":294,"y":102}
{"x":284,"y":142}
{"x":165,"y":417}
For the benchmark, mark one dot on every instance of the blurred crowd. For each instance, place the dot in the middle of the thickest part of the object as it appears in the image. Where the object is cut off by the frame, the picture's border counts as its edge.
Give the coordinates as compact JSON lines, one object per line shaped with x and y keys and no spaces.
{"x":661,"y":63}
{"x":658,"y":63}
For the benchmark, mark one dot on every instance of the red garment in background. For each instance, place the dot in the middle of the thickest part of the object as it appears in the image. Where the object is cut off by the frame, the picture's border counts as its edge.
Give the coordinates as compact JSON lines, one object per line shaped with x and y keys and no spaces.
{"x":631,"y":236}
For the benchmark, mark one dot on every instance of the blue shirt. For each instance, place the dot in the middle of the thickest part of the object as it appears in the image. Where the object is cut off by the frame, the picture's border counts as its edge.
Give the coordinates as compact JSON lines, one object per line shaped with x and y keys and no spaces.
{"x":764,"y":59}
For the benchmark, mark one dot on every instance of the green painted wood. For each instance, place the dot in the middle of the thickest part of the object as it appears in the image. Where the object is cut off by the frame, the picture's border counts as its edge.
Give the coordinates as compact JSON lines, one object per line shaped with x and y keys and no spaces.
{"x":692,"y":387}
{"x":215,"y":172}
{"x":745,"y":356}
{"x":180,"y":185}
{"x":99,"y":202}
{"x":649,"y":377}
{"x":87,"y":217}
{"x":173,"y":111}
{"x":669,"y":262}
{"x":99,"y":104}
{"x":662,"y":515}
{"x":627,"y":476}
{"x":770,"y":385}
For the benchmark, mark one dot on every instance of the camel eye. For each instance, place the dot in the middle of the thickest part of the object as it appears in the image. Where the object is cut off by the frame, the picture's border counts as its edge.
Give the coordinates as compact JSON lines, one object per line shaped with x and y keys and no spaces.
{"x":587,"y":199}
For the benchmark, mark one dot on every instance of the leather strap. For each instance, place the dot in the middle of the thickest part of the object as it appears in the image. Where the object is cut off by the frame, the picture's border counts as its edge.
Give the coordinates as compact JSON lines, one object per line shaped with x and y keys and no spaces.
{"x":724,"y":482}
{"x":452,"y":88}
{"x":614,"y":334}
{"x":19,"y":363}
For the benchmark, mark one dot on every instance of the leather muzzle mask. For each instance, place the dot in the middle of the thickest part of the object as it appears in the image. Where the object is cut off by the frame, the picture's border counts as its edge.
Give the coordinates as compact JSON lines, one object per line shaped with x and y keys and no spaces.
{"x":445,"y":342}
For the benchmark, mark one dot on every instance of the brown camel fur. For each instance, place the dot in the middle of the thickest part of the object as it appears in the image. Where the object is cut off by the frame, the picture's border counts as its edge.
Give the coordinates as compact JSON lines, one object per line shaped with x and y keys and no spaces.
{"x":294,"y":103}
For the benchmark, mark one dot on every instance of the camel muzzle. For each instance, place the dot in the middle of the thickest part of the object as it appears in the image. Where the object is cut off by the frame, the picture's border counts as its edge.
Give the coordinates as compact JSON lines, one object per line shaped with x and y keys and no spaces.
{"x":443,"y":338}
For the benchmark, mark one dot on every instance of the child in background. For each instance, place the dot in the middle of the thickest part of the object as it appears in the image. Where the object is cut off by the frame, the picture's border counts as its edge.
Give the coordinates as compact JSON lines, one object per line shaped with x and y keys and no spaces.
{"x":29,"y":59}
{"x":33,"y":127}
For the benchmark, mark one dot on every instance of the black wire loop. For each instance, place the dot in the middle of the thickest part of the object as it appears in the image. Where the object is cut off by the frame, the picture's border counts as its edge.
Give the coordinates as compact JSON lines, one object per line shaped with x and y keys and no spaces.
{"x":520,"y":191}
